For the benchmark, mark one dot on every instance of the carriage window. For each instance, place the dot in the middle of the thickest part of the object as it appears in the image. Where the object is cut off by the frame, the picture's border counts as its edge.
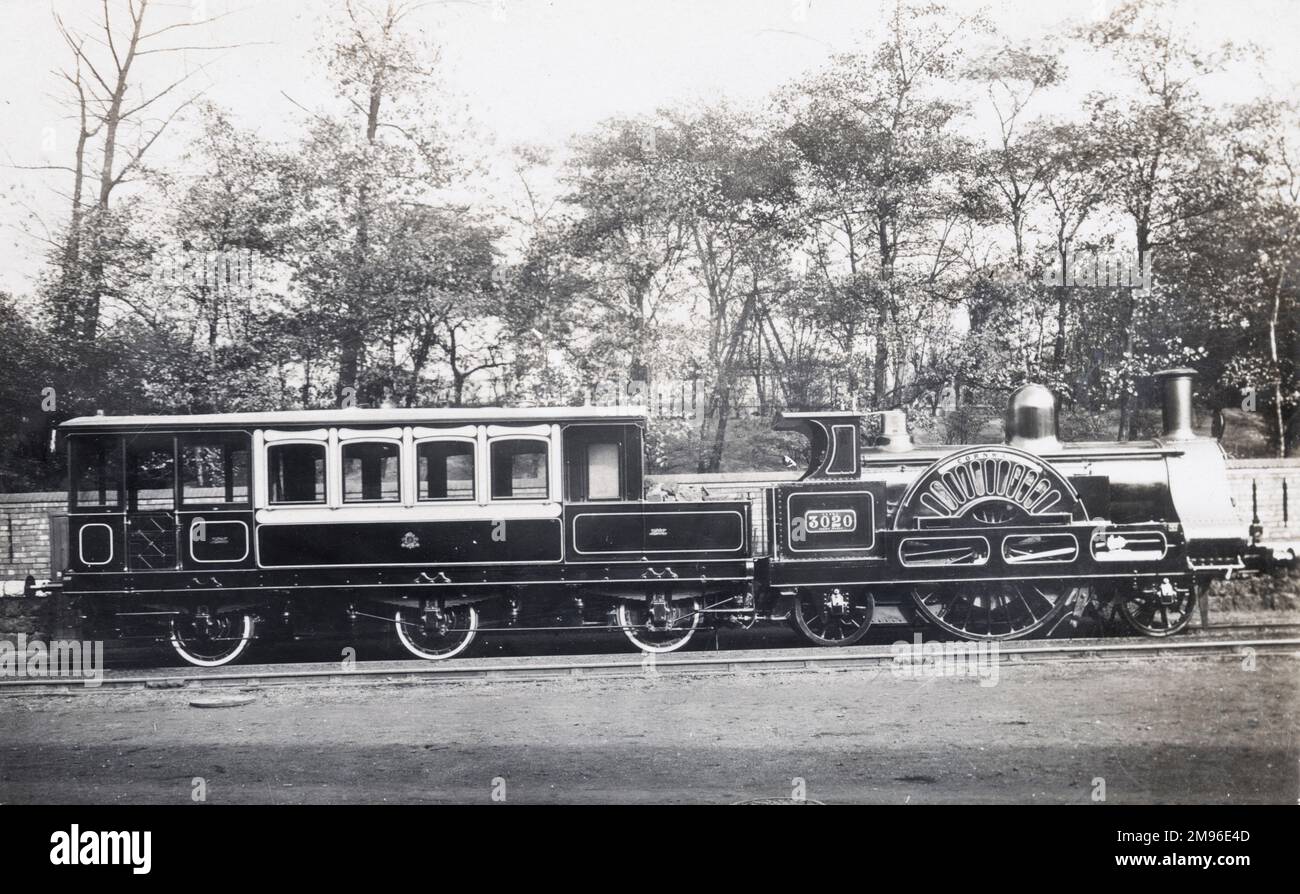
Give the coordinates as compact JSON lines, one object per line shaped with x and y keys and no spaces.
{"x":296,"y":472}
{"x":370,"y":472}
{"x":519,"y":470}
{"x":446,"y":470}
{"x":97,"y":472}
{"x":602,"y":472}
{"x":215,"y":469}
{"x":152,"y":474}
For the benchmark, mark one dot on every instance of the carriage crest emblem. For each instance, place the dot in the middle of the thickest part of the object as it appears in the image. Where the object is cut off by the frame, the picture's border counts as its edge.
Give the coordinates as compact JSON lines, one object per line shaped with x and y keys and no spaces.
{"x":410,"y":541}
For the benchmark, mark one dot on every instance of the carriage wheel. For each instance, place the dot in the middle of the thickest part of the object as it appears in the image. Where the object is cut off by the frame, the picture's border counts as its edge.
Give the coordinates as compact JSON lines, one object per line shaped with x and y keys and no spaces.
{"x":437,"y":634}
{"x":1161,"y":610}
{"x":205,"y":641}
{"x":989,"y":611}
{"x":832,"y":617}
{"x":659,"y":627}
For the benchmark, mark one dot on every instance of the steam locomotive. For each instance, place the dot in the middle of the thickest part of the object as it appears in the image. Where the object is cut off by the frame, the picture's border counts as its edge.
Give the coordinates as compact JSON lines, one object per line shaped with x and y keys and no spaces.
{"x":212,"y":531}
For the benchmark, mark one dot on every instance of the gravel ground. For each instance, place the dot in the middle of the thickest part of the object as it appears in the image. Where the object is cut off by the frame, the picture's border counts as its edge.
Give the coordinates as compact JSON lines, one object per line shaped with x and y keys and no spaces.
{"x":1192,"y":731}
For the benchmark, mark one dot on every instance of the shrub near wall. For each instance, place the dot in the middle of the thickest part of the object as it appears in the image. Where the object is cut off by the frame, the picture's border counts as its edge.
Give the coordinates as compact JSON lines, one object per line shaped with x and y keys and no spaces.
{"x":31,"y":615}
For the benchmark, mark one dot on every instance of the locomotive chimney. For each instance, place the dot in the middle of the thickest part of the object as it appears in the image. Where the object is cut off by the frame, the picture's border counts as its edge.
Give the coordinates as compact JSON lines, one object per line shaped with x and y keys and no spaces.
{"x":1031,"y":419}
{"x":1176,"y":385}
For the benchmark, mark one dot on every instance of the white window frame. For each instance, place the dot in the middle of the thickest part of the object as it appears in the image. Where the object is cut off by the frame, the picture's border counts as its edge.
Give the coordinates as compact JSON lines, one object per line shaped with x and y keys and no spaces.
{"x":263,"y":441}
{"x":454,"y":436}
{"x":547,"y":434}
{"x":350,"y":436}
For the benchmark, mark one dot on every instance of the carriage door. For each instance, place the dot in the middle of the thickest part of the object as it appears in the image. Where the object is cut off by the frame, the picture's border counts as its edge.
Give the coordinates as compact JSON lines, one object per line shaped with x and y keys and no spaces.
{"x":151,"y":503}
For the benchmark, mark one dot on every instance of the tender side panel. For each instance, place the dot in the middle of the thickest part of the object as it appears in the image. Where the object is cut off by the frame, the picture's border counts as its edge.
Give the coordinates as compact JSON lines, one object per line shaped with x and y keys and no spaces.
{"x":656,"y":532}
{"x":828,"y":522}
{"x":423,"y":543}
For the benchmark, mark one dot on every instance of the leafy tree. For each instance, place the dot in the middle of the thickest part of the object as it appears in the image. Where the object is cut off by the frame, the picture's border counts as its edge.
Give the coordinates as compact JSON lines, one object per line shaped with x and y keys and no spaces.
{"x":886,"y":173}
{"x":1154,"y":148}
{"x":361,"y":170}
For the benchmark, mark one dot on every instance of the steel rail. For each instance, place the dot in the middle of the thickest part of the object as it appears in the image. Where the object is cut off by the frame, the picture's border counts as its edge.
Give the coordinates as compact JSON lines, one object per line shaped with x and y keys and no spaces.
{"x":1247,"y":629}
{"x":817,"y":659}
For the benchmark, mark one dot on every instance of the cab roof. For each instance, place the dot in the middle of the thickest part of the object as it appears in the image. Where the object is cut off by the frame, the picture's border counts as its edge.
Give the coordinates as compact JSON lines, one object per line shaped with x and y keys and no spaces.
{"x":359,"y":416}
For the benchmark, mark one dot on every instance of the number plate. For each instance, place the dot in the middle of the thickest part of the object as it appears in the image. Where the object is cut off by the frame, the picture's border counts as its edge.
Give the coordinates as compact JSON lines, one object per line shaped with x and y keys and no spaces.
{"x":824,"y":521}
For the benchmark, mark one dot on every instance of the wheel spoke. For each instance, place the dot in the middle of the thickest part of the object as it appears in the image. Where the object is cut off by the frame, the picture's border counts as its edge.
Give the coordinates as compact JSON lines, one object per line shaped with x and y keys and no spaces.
{"x":459,"y":626}
{"x":634,"y":619}
{"x":984,"y":611}
{"x":1142,"y":609}
{"x":217,"y":642}
{"x":819,"y":617}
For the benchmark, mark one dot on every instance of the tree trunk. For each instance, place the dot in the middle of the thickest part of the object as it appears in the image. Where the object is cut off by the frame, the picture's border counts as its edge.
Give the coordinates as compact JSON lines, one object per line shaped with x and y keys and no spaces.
{"x":352,"y":344}
{"x":713,"y":461}
{"x":112,"y":119}
{"x":1062,"y":314}
{"x":1279,"y":420}
{"x":69,"y":289}
{"x":880,"y":367}
{"x":1125,"y":411}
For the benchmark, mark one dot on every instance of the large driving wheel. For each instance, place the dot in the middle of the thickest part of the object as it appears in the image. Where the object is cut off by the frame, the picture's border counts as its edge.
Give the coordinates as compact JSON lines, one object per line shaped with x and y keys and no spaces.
{"x":436,"y":632}
{"x":832,"y":617}
{"x":988,"y":488}
{"x":204,"y":640}
{"x":1159,"y":610}
{"x":659,"y":624}
{"x":993,"y":611}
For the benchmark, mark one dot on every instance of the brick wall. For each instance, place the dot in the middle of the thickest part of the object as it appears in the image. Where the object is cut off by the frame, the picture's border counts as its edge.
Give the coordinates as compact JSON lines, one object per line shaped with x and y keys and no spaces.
{"x":1276,"y":491}
{"x":25,"y":533}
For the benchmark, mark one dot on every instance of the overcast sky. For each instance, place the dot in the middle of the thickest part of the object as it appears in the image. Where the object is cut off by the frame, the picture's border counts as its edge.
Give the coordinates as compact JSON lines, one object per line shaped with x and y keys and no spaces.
{"x":534,"y":71}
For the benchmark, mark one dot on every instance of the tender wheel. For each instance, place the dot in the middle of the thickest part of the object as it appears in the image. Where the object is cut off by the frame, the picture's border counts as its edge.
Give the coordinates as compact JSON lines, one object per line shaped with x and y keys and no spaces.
{"x":988,"y":611}
{"x":659,"y":624}
{"x":1160,"y":610}
{"x":833,"y":617}
{"x":206,"y":641}
{"x":437,"y":633}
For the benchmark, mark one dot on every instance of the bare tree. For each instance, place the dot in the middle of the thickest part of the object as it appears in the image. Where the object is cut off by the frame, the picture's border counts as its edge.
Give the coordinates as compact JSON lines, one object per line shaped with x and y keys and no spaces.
{"x":107,"y":106}
{"x":1012,"y":77}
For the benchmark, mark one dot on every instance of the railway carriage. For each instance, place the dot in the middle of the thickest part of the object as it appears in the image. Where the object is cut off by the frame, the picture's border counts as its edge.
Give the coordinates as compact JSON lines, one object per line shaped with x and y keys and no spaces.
{"x":211,"y":531}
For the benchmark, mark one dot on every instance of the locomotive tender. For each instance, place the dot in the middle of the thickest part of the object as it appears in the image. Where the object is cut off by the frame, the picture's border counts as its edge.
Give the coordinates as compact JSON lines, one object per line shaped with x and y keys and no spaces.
{"x":211,"y":531}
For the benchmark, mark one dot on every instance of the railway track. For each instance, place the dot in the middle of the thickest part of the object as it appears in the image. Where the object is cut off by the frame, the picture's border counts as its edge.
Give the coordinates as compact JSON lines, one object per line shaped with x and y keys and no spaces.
{"x":1246,"y":630}
{"x":1223,"y":642}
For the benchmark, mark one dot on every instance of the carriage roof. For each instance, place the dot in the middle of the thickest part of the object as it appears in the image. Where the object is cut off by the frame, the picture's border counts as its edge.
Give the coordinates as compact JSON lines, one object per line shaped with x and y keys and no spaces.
{"x":363,"y":416}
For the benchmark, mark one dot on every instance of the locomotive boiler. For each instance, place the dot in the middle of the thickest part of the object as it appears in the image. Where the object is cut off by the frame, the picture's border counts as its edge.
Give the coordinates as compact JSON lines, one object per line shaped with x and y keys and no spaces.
{"x":210,"y":532}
